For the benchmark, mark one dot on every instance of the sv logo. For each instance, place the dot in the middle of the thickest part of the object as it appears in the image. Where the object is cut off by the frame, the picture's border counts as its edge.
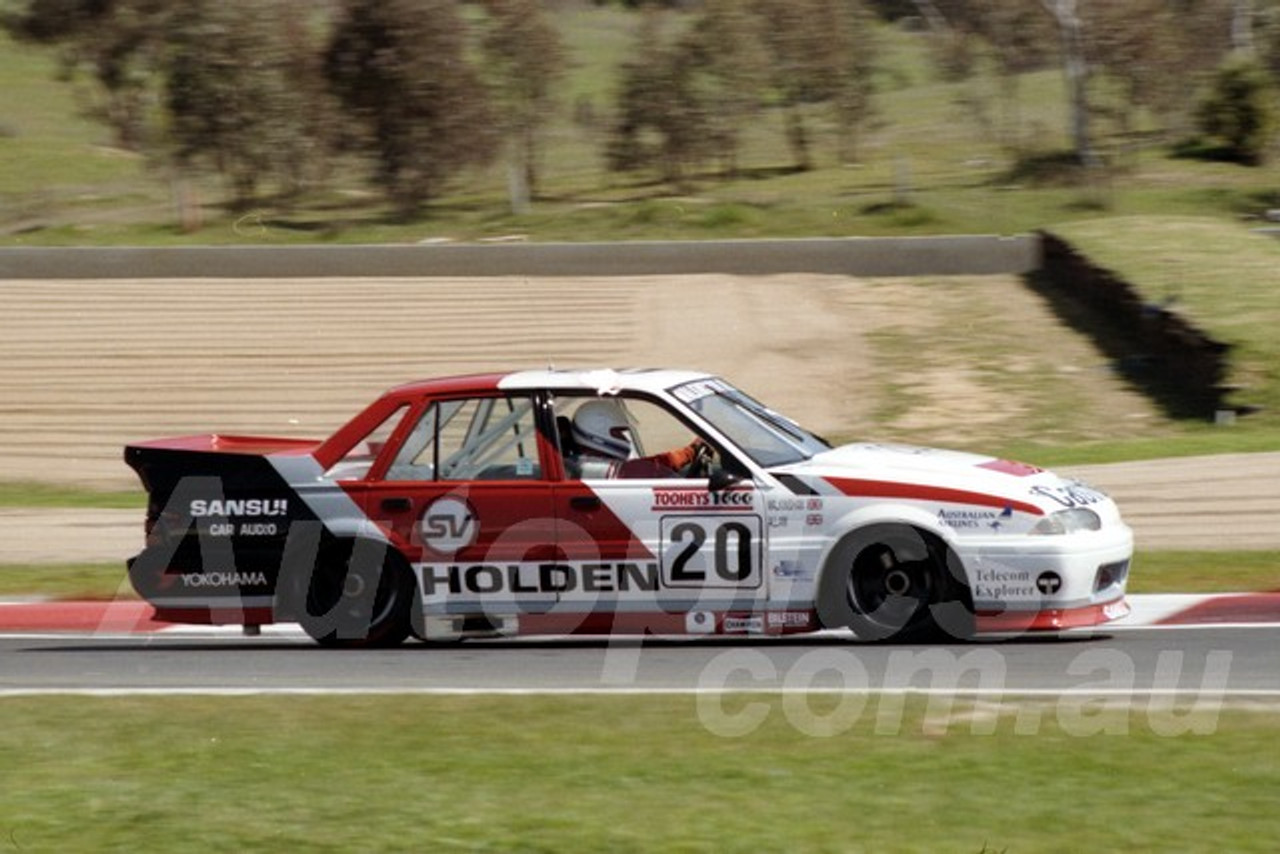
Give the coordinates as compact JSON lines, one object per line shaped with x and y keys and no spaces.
{"x":440,"y":525}
{"x":448,"y":525}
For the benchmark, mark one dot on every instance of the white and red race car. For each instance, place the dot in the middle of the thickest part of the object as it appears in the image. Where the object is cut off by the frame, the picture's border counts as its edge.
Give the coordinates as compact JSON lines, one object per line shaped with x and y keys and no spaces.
{"x":636,"y":501}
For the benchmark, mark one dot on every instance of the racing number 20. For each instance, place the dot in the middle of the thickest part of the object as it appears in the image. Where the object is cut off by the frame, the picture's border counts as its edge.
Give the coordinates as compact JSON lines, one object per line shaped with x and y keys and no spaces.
{"x":732,"y":552}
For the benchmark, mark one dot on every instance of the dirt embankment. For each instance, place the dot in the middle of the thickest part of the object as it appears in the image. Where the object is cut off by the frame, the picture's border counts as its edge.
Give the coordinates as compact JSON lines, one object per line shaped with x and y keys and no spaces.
{"x":87,"y":366}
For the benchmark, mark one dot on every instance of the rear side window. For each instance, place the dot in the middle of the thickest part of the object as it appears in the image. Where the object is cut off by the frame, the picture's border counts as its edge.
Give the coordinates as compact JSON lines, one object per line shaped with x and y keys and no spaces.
{"x":355,"y":463}
{"x":484,"y":438}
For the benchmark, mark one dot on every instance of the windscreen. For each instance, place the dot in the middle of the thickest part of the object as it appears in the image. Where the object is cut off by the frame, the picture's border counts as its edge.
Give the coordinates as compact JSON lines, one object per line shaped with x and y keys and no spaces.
{"x":768,"y":438}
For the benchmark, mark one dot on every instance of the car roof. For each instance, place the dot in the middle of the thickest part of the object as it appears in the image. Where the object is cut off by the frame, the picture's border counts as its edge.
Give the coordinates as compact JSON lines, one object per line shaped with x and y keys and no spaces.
{"x":602,"y":380}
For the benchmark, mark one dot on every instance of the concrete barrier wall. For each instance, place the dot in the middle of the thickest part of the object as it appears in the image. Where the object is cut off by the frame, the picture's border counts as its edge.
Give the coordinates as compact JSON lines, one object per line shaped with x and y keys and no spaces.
{"x":893,"y":256}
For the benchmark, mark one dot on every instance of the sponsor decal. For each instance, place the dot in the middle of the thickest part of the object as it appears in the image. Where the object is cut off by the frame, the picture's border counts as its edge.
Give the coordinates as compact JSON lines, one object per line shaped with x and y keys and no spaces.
{"x":753,"y":625}
{"x":224,"y":579}
{"x":1115,"y":610}
{"x":784,"y":510}
{"x":1011,"y":467}
{"x":786,"y":505}
{"x":795,"y":505}
{"x":788,"y":619}
{"x":482,"y":579}
{"x":1074,"y":494}
{"x":202,"y":507}
{"x":1049,"y":583}
{"x":700,"y":623}
{"x":448,"y":525}
{"x":244,"y":529}
{"x":690,"y":392}
{"x":1001,"y":583}
{"x":694,"y":499}
{"x":792,"y":569}
{"x":973,"y":520}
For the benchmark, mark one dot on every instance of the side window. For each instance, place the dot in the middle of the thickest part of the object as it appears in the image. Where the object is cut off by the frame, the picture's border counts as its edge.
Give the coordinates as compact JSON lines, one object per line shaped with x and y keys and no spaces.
{"x":355,"y":463}
{"x":484,"y":438}
{"x":656,"y":429}
{"x":609,"y":437}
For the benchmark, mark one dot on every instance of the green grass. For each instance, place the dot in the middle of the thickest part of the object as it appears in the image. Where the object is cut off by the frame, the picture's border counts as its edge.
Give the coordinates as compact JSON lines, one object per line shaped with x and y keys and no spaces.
{"x":98,"y":581}
{"x":1185,"y":440}
{"x":628,"y":774}
{"x":1154,"y":572}
{"x":28,"y":494}
{"x":1205,"y":572}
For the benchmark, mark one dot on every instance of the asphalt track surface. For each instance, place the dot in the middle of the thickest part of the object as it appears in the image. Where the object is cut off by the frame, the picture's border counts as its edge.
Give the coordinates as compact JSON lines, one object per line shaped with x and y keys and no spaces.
{"x":1213,"y":663}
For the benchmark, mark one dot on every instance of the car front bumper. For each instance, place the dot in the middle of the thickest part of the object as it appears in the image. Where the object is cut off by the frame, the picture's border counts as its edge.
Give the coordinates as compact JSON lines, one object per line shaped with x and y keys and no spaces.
{"x":1035,"y":583}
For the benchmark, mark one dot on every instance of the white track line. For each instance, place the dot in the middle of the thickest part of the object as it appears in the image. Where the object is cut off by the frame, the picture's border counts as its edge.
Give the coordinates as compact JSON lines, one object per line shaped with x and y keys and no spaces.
{"x":1011,"y":695}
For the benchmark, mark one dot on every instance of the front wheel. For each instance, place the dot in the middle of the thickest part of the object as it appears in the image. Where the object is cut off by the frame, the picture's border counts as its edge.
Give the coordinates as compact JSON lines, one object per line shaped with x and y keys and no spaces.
{"x":895,"y":582}
{"x":359,"y":594}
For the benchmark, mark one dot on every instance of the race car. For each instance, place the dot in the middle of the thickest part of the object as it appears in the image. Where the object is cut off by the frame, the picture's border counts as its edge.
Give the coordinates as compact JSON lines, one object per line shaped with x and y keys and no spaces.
{"x":613,"y":501}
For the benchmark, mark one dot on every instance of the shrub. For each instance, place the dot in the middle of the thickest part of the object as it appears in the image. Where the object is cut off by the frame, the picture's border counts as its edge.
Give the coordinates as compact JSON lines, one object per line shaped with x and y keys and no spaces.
{"x":1237,"y":111}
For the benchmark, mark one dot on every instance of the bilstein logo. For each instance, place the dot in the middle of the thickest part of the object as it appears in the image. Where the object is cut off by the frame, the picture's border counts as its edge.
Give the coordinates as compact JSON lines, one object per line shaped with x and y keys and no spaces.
{"x":448,"y":525}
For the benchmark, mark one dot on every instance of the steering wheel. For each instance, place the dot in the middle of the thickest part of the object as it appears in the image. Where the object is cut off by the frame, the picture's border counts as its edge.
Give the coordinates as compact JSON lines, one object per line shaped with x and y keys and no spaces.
{"x":700,"y":465}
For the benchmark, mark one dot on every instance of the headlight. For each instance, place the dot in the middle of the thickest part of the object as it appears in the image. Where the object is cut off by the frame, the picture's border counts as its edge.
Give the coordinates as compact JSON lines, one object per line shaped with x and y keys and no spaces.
{"x":1068,"y":522}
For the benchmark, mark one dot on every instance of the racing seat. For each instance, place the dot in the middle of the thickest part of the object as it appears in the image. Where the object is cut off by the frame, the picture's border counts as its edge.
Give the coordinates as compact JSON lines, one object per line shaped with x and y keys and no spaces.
{"x":569,"y":450}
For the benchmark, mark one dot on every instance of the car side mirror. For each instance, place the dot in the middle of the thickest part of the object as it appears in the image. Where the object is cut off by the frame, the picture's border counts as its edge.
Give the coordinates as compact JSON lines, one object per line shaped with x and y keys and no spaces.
{"x":720,"y":480}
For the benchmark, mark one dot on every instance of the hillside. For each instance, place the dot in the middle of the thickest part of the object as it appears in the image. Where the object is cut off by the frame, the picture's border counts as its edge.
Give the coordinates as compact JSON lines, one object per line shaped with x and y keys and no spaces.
{"x":932,"y":161}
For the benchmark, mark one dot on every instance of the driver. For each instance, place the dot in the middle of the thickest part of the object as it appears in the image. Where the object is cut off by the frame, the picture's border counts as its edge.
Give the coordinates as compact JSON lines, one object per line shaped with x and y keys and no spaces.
{"x":602,"y":436}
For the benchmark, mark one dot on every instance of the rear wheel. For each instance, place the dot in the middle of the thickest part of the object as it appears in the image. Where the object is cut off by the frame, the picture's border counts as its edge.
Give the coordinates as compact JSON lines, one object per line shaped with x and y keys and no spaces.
{"x":895,"y":582}
{"x":360,"y":594}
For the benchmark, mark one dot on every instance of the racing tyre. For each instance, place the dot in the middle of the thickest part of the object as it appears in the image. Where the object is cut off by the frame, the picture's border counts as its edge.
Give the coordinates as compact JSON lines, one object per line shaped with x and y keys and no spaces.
{"x":895,"y":582}
{"x":359,"y":595}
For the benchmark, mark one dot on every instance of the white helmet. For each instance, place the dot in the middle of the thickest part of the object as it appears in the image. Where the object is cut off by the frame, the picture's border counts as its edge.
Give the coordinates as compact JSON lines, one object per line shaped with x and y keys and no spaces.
{"x":601,"y":427}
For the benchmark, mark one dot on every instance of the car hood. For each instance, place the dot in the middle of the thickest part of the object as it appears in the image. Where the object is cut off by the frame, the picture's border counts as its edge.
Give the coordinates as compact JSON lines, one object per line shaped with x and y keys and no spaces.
{"x":944,"y":475}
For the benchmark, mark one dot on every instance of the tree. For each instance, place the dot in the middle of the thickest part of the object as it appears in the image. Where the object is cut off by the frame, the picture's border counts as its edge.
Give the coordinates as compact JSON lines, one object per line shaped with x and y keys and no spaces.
{"x":1075,"y":68}
{"x":730,"y":68}
{"x":118,"y":43}
{"x":525,"y":58}
{"x":660,"y":119}
{"x":819,"y":51}
{"x":401,"y":68}
{"x":233,"y":94}
{"x":855,"y":70}
{"x":1138,"y":47}
{"x":1238,"y":110}
{"x":1268,"y":41}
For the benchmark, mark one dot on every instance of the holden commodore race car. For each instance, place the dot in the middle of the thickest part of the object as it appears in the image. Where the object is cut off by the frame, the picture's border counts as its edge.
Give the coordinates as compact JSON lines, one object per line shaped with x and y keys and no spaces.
{"x":636,"y":501}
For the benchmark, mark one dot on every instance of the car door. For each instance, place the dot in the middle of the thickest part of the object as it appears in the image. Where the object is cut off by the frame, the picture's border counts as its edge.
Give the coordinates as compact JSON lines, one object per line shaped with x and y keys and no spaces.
{"x":662,"y":540}
{"x":464,"y":494}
